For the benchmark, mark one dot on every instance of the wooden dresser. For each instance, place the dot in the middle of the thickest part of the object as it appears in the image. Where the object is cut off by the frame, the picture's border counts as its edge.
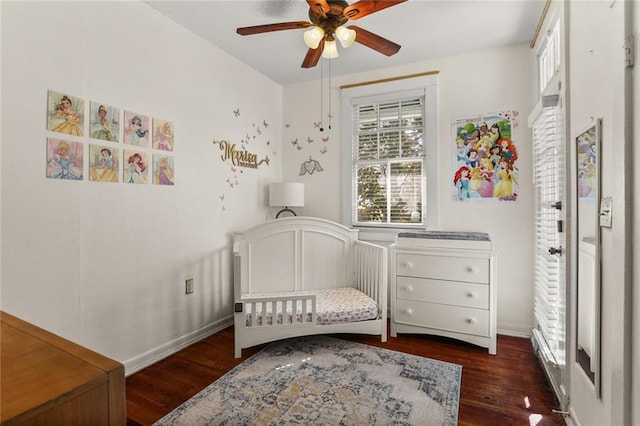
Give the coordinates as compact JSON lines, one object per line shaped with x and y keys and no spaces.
{"x":444,"y":283}
{"x":47,"y":380}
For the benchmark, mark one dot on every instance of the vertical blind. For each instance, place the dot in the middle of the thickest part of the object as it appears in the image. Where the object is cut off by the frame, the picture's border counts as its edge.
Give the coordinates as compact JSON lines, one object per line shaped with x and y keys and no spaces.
{"x":389,"y":160}
{"x":549,"y":174}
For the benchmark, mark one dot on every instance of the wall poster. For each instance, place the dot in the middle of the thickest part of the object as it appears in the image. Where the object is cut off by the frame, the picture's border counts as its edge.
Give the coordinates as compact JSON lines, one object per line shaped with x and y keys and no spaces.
{"x":586,"y":152}
{"x":484,"y":159}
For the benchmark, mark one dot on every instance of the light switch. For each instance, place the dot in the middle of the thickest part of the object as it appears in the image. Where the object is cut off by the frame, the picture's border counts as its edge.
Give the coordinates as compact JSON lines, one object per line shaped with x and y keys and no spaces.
{"x":606,"y":205}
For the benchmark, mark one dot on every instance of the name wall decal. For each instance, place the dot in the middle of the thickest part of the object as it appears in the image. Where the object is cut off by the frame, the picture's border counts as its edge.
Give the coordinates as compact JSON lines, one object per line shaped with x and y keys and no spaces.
{"x":239,"y":158}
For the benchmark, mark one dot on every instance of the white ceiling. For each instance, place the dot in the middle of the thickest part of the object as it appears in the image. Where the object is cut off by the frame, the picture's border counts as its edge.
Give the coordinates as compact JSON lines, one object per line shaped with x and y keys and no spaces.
{"x":426,"y":29}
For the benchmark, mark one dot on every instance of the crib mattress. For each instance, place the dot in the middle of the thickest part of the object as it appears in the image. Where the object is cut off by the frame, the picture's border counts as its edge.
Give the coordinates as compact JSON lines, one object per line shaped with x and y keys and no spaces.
{"x":333,"y":306}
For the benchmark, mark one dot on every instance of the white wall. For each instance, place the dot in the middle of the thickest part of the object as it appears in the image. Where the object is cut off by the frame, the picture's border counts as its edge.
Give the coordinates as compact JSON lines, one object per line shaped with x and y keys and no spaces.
{"x":482,"y":82}
{"x":104,"y":264}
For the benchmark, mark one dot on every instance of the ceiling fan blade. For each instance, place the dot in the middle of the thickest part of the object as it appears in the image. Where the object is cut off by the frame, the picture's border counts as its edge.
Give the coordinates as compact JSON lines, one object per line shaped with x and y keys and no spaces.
{"x":375,"y":42}
{"x":363,"y":8}
{"x":317,"y":5}
{"x":313,"y":56}
{"x":257,"y":29}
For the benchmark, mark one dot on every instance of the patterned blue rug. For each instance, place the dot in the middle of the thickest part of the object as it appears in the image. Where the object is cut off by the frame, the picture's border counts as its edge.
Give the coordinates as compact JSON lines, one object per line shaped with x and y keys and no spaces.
{"x":321,"y":380}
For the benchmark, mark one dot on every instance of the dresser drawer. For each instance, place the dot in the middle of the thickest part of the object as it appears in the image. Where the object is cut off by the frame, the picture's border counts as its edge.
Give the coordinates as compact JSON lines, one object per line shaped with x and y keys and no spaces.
{"x":470,"y":295}
{"x":443,"y":317}
{"x":449,"y":268}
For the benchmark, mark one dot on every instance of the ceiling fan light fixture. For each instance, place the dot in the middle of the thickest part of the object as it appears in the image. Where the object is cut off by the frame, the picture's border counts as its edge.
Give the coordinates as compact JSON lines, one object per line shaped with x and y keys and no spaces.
{"x":313,"y":37}
{"x":330,"y":49}
{"x":346,"y":36}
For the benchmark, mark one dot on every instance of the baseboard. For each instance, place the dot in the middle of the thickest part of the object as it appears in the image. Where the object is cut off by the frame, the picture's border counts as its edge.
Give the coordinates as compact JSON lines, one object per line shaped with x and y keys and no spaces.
{"x":148,"y":358}
{"x":515,"y":333}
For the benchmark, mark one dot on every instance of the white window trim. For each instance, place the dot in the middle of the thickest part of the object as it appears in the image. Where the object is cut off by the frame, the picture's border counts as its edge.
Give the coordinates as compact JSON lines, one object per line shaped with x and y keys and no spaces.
{"x":427,"y":85}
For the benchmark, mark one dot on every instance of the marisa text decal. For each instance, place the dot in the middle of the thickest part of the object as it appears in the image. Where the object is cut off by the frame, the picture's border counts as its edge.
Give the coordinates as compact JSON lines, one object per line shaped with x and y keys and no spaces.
{"x":239,"y":158}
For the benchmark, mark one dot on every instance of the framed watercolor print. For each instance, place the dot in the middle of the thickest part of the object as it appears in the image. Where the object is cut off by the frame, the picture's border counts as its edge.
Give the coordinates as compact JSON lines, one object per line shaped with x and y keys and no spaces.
{"x":136,"y":129}
{"x":104,"y":163}
{"x":105,"y":122}
{"x":65,"y":113}
{"x":163,"y":170}
{"x":65,"y":159}
{"x":135,"y":166}
{"x":162,"y":135}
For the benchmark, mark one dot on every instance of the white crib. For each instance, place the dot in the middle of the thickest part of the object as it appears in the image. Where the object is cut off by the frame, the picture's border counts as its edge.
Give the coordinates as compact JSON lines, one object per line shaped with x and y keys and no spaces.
{"x":300,"y":276}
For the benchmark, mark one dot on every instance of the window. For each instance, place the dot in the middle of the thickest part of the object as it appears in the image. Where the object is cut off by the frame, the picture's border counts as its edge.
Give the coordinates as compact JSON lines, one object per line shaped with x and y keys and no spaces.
{"x":390,"y":167}
{"x":388,"y":160}
{"x":549,"y":303}
{"x":548,"y":123}
{"x":549,"y":57}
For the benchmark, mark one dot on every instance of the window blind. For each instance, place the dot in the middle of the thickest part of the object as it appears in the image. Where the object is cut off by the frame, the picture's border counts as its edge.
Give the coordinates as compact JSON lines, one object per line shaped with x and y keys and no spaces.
{"x":389,"y":160}
{"x":549,"y":169}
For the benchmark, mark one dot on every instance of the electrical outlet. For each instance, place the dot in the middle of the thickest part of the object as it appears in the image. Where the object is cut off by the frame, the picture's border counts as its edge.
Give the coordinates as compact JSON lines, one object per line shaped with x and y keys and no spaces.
{"x":188,"y":286}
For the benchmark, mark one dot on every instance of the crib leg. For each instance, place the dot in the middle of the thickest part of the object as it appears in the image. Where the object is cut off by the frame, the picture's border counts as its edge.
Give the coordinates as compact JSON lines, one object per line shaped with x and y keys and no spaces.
{"x":238,"y":351}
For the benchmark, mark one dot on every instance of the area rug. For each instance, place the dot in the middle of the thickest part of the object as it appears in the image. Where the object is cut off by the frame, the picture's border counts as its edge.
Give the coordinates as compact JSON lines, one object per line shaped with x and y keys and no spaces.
{"x":322,"y":380}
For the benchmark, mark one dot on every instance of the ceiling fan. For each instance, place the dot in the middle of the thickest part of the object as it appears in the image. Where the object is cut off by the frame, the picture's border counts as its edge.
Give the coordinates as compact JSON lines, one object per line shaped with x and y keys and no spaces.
{"x":327,"y":19}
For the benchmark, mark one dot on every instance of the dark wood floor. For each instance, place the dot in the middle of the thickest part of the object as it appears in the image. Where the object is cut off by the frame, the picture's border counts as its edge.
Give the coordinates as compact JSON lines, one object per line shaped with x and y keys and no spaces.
{"x":507,"y":389}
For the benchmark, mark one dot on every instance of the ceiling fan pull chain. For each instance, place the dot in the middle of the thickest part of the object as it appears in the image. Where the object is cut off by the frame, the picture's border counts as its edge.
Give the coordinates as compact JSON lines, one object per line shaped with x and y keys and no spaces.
{"x":321,"y":95}
{"x":329,"y":94}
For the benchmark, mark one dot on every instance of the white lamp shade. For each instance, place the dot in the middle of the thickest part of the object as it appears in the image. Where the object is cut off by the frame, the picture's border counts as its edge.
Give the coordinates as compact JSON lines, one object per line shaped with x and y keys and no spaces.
{"x":313,"y":37}
{"x":330,"y":49}
{"x":287,"y":194}
{"x":346,"y":36}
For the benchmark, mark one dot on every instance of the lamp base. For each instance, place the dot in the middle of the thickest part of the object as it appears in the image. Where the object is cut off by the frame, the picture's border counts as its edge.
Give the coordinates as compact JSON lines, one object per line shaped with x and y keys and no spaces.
{"x":286,"y":209}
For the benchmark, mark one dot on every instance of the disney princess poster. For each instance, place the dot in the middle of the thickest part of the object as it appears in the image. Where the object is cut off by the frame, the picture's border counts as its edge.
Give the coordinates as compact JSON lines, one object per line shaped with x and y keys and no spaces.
{"x":65,"y":113}
{"x":162,"y":135}
{"x":105,"y":122}
{"x":163,"y":170}
{"x":135,"y":165}
{"x":587,"y":164}
{"x":103,"y":163}
{"x":484,"y":159}
{"x":136,"y":129}
{"x":64,"y":159}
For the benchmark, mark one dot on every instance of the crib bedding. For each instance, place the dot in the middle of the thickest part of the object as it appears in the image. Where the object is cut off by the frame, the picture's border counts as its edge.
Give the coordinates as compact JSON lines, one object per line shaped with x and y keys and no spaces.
{"x":333,"y":306}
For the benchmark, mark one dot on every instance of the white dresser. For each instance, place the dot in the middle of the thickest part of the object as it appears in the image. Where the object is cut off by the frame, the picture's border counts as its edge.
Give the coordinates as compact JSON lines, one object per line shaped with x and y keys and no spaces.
{"x":444,"y":283}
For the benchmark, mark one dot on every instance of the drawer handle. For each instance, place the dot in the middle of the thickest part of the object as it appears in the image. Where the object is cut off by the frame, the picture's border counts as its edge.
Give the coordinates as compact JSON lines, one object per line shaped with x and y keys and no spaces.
{"x":472,"y":295}
{"x":409,"y":265}
{"x":472,"y":321}
{"x":472,"y":269}
{"x":408,"y":311}
{"x":408,"y":289}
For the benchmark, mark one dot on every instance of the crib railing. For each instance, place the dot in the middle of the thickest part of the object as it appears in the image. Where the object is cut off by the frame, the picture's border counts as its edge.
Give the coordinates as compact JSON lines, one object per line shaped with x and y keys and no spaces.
{"x":370,"y":270}
{"x":278,"y":310}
